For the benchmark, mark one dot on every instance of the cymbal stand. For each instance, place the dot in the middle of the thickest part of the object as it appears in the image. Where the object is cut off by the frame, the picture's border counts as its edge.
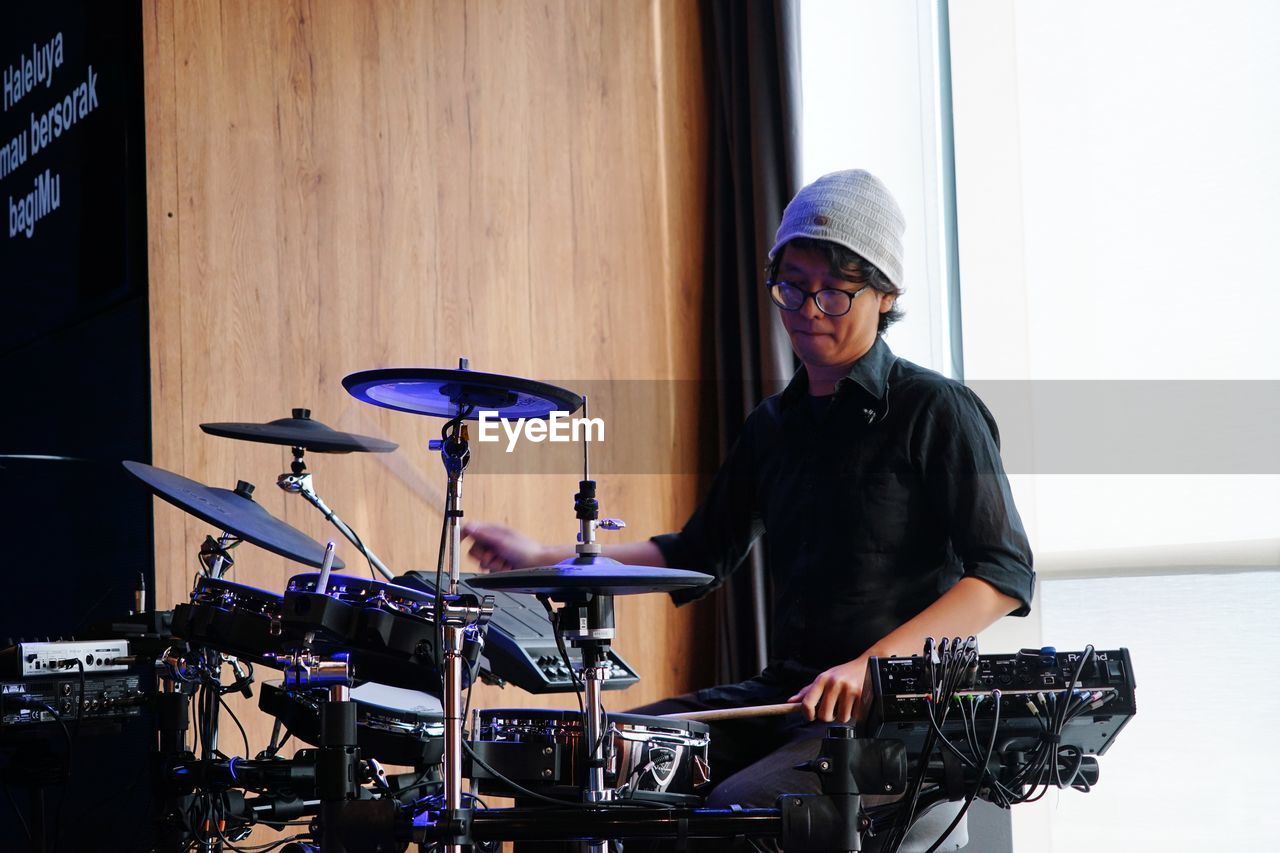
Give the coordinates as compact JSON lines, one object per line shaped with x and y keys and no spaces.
{"x":456,"y":614}
{"x":589,"y":625}
{"x":297,"y":481}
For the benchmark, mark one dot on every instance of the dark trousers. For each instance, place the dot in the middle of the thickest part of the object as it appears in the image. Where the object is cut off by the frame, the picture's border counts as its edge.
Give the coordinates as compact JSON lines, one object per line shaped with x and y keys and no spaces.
{"x":753,"y":759}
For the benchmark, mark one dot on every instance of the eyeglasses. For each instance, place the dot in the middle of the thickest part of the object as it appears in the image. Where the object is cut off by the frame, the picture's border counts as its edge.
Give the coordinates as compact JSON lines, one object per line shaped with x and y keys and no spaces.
{"x":830,"y":301}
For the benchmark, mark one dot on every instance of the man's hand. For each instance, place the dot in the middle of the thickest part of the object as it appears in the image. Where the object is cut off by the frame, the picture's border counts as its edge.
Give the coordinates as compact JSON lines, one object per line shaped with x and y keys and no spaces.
{"x":835,"y":696}
{"x":500,"y":549}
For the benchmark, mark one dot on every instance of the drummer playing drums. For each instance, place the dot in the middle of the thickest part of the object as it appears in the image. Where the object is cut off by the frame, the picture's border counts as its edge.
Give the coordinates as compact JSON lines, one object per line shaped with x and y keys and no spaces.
{"x":880,"y":487}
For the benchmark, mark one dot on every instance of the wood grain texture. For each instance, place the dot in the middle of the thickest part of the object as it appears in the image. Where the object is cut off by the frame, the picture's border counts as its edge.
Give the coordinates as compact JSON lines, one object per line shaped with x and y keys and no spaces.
{"x":345,"y":184}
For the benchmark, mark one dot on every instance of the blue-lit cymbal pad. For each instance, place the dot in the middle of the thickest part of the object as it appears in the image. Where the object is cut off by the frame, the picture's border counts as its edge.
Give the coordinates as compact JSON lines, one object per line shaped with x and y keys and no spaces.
{"x":445,"y":393}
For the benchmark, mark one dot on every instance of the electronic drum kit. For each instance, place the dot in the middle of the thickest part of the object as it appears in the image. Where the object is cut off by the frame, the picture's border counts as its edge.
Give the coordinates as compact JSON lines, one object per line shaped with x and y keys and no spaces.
{"x":375,"y":672}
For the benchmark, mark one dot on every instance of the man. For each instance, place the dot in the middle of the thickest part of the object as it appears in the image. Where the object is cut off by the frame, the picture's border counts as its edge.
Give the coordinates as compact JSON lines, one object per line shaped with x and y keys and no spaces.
{"x":879,"y":484}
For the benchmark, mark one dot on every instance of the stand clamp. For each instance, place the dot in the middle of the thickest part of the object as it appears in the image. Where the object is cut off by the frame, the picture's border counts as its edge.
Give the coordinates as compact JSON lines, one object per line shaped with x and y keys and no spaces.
{"x":847,"y":767}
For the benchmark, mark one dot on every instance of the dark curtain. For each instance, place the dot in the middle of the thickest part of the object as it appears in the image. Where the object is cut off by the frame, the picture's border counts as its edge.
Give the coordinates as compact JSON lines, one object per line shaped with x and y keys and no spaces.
{"x":752,"y":57}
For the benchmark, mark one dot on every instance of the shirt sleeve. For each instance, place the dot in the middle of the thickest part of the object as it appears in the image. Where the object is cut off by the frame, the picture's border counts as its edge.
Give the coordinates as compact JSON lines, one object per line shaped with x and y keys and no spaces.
{"x":969,"y":488}
{"x":719,"y":535}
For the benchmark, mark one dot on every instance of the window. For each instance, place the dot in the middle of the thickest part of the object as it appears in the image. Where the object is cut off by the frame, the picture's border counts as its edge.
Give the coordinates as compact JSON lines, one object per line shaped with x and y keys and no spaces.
{"x":1116,"y":193}
{"x":868,"y":78}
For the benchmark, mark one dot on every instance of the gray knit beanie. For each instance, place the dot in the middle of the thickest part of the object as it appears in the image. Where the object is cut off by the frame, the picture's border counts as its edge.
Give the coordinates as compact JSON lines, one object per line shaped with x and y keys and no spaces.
{"x":854,"y":209}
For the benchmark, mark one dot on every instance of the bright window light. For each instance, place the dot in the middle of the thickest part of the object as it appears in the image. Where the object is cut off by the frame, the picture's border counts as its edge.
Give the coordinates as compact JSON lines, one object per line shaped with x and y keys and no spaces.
{"x":868,"y":75}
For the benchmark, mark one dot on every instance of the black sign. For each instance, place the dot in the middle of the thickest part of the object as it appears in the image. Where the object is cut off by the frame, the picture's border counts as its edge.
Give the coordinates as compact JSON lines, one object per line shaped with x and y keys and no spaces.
{"x":72,"y":189}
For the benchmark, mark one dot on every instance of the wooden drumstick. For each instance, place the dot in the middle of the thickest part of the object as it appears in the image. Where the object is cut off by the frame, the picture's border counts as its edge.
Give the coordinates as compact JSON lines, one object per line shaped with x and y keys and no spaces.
{"x":736,"y":713}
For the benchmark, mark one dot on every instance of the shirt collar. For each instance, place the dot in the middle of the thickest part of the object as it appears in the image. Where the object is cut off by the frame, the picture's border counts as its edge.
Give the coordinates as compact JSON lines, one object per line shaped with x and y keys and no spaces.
{"x":870,"y":373}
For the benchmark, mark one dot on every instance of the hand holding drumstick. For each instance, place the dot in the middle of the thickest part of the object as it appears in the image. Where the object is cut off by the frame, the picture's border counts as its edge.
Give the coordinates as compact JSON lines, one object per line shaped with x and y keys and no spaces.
{"x":498,"y":548}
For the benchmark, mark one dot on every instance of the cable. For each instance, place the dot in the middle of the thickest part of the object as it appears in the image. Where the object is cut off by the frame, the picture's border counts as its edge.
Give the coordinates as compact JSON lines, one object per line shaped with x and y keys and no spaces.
{"x":346,"y":528}
{"x":907,"y":807}
{"x":977,"y":786}
{"x":956,"y":656}
{"x":420,"y":782}
{"x":472,"y":670}
{"x":578,"y":687}
{"x":1003,"y":797}
{"x":57,"y":718}
{"x":79,"y":705}
{"x":72,"y":740}
{"x":242,"y":682}
{"x":1073,"y":753}
{"x":218,"y":817}
{"x":236,"y":720}
{"x":1064,"y":708}
{"x":262,"y":848}
{"x":1036,"y":772}
{"x":427,"y":800}
{"x":210,"y":556}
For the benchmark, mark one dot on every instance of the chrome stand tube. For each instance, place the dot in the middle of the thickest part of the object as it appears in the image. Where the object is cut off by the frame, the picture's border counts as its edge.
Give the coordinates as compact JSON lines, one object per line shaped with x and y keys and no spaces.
{"x":594,"y":674}
{"x":594,"y":729}
{"x":453,"y":723}
{"x":455,"y":453}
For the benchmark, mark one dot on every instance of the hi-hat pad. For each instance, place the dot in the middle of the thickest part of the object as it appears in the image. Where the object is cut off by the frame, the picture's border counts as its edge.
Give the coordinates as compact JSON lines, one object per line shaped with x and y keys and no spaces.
{"x":571,"y":580}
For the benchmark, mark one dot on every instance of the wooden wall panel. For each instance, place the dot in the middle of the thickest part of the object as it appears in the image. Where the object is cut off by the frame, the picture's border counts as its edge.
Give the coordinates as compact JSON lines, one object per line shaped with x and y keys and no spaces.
{"x":348,"y":184}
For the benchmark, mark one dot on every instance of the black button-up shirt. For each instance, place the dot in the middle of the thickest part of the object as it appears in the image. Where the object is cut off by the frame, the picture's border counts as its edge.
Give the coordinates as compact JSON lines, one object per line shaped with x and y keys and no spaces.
{"x":874,"y":508}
